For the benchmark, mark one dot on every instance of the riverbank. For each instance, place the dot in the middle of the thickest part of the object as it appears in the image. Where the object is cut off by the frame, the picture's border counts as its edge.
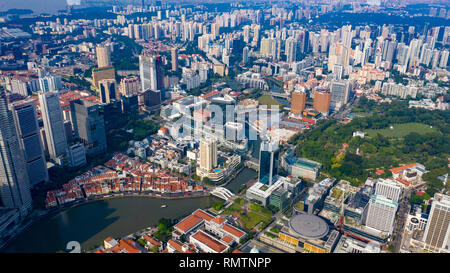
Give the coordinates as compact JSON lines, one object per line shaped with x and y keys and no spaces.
{"x":42,"y":215}
{"x":116,"y":219}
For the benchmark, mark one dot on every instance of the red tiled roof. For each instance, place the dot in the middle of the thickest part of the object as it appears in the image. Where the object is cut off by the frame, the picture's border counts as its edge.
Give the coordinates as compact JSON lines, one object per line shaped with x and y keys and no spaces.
{"x":403,"y":181}
{"x":398,"y":169}
{"x":219,"y":220}
{"x":227,"y":239}
{"x":232,"y":230}
{"x":209,"y":241}
{"x":126,"y":245}
{"x":203,"y":214}
{"x":188,"y":222}
{"x":175,"y":245}
{"x":210,"y":94}
{"x":152,"y":240}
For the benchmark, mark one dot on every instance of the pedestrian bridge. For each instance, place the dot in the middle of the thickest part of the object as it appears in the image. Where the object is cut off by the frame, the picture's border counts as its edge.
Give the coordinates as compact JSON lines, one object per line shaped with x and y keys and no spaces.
{"x":222,"y":193}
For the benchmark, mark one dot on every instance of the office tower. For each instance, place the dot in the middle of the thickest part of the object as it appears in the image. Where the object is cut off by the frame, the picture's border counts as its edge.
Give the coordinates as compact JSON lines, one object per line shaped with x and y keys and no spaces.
{"x":103,"y":56}
{"x":130,"y":104}
{"x":76,"y":155}
{"x":104,"y":73}
{"x":129,"y":86}
{"x":151,"y":73}
{"x":174,"y":59}
{"x":68,"y":128}
{"x":208,"y":154}
{"x":14,"y":182}
{"x":54,"y":125}
{"x":245,"y":55}
{"x":50,"y":83}
{"x":340,"y":93}
{"x":381,"y":213}
{"x":107,"y":90}
{"x":268,"y":162}
{"x":322,"y":101}
{"x":437,"y":231}
{"x":27,"y":129}
{"x":150,"y":98}
{"x":89,"y":125}
{"x":389,"y":189}
{"x":298,"y":102}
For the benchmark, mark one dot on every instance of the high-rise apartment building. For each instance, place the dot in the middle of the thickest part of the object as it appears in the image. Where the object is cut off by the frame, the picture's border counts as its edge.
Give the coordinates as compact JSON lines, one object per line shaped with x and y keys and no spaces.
{"x":103,"y":59}
{"x":298,"y":102}
{"x":245,"y":55}
{"x":291,"y":49}
{"x":268,"y":162}
{"x":322,"y":101}
{"x":27,"y":128}
{"x":444,"y":59}
{"x":129,"y":86}
{"x":174,"y":59}
{"x":54,"y":125}
{"x":208,"y":154}
{"x":14,"y":181}
{"x":437,"y":231}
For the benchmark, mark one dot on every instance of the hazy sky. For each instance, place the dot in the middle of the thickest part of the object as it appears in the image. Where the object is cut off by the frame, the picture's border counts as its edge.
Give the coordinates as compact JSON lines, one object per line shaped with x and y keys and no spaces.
{"x":38,"y":6}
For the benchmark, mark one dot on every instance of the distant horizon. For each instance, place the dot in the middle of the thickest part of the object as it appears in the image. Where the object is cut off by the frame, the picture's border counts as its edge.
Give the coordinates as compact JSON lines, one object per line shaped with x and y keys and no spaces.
{"x":37,"y":6}
{"x":53,"y":6}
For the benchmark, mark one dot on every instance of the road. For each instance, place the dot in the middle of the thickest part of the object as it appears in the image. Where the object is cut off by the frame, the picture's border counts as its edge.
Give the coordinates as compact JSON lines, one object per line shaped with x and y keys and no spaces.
{"x":401,"y":218}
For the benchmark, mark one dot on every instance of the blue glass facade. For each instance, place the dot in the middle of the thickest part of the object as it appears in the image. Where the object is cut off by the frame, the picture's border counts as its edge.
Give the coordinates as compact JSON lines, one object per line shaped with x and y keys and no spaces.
{"x":268,"y":162}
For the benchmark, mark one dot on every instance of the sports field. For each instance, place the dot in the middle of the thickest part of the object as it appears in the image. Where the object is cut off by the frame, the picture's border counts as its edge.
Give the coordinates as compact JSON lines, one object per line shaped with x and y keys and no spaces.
{"x":268,"y":100}
{"x":401,"y":130}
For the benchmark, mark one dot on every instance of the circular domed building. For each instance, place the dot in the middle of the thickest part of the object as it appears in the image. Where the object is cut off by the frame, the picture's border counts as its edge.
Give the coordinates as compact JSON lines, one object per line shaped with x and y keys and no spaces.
{"x":308,"y":226}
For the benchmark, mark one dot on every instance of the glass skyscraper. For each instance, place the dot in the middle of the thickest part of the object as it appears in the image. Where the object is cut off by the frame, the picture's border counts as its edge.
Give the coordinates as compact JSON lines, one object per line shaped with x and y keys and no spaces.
{"x":14,"y":182}
{"x":268,"y":162}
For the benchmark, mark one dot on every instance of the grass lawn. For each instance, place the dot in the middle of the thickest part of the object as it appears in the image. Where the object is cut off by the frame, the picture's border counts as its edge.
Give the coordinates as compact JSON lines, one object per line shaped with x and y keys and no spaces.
{"x":401,"y":130}
{"x":268,"y":100}
{"x":252,"y":219}
{"x":234,"y":208}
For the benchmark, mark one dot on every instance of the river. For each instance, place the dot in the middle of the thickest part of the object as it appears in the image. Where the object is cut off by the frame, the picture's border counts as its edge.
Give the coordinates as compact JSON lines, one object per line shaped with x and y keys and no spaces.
{"x":243,"y":177}
{"x":91,"y":223}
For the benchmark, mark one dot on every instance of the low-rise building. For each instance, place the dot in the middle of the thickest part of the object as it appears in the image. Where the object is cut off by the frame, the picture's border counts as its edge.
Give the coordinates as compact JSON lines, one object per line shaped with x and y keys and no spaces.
{"x":206,"y":243}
